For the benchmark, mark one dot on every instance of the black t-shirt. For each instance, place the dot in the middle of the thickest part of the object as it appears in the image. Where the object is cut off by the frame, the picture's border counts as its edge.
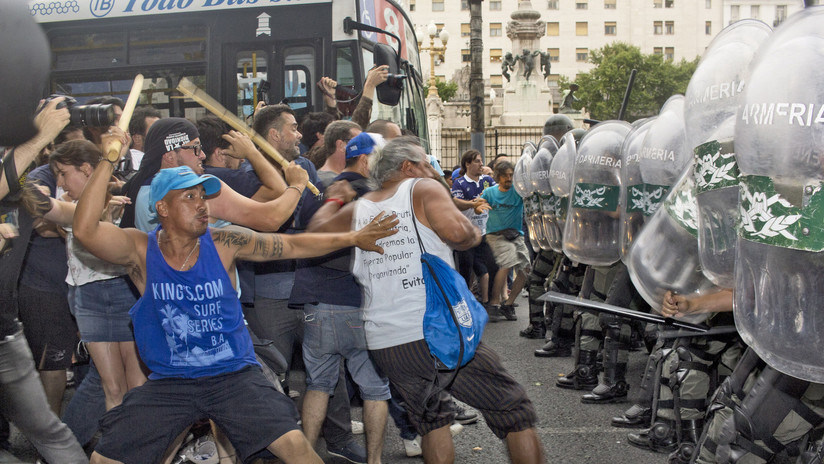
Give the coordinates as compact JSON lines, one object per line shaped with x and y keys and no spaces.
{"x":243,"y":182}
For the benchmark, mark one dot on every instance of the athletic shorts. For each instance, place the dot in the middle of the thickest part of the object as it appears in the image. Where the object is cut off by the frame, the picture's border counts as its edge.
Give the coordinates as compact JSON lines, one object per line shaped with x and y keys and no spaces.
{"x":482,"y":383}
{"x":243,"y":404}
{"x":509,"y":253}
{"x":49,"y":328}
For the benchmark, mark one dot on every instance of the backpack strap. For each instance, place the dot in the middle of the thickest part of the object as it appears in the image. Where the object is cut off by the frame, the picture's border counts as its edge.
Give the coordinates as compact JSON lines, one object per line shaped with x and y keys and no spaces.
{"x":414,"y":220}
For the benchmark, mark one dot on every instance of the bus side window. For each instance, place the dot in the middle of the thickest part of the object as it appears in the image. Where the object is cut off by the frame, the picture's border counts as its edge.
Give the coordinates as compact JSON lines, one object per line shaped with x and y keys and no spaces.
{"x":252,"y":81}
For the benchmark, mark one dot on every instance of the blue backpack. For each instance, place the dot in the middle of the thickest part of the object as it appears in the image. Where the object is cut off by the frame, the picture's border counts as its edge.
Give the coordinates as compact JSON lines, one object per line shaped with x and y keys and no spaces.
{"x":454,"y":320}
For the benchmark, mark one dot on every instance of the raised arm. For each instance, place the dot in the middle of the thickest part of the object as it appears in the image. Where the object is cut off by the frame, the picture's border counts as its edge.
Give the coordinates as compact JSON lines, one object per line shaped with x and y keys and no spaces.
{"x":253,"y":246}
{"x":273,"y":183}
{"x":103,"y":239}
{"x":265,"y":216}
{"x":441,"y":215}
{"x":49,"y":121}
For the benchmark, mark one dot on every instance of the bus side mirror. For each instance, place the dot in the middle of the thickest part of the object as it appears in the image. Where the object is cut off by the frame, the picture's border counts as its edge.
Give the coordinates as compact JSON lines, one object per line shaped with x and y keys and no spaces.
{"x":389,"y":92}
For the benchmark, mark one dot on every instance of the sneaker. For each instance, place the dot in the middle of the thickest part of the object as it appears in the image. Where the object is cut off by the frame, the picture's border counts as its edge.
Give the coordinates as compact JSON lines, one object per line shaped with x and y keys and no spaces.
{"x":413,"y":447}
{"x":494,"y":312}
{"x":357,"y":427}
{"x":508,"y":312}
{"x":534,"y":330}
{"x":466,"y":417}
{"x":352,"y":452}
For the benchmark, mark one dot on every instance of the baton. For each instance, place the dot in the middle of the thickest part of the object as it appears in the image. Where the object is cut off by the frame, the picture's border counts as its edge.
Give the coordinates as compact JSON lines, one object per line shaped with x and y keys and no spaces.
{"x":187,"y":88}
{"x":556,"y":297}
{"x":128,"y":109}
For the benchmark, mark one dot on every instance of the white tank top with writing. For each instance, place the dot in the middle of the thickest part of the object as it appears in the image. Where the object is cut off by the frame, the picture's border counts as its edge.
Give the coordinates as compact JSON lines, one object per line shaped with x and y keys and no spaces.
{"x":394,"y":296}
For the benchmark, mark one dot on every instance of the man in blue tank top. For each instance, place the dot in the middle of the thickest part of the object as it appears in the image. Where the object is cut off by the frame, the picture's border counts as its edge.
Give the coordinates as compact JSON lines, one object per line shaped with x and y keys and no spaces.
{"x":188,"y":324}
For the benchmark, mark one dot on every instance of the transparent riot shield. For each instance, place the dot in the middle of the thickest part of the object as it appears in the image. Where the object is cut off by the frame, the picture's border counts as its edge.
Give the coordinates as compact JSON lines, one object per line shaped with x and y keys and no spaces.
{"x":631,"y":200}
{"x":664,"y":256}
{"x":592,"y":229}
{"x":779,"y":145}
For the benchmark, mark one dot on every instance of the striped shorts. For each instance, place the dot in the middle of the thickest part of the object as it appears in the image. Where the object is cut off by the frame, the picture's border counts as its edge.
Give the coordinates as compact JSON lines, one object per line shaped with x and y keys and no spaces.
{"x":482,"y":383}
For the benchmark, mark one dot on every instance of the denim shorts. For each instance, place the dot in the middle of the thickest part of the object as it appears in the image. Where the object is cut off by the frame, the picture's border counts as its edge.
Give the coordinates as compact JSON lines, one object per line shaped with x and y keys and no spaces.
{"x":333,"y":332}
{"x":102,"y":310}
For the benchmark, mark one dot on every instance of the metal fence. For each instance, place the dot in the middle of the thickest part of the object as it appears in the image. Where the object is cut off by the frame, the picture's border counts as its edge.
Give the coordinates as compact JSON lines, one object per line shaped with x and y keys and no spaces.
{"x":454,"y":142}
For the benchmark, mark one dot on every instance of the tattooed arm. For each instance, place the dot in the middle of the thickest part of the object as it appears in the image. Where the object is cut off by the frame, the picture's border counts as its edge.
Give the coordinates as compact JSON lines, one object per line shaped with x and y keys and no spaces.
{"x":253,"y":246}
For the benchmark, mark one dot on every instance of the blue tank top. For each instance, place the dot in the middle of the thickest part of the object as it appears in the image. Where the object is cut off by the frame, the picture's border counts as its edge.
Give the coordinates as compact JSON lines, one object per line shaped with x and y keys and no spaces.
{"x":189,"y":324}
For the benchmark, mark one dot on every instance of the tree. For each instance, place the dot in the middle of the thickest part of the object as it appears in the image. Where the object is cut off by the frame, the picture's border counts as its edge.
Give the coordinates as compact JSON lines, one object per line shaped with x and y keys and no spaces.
{"x":602,"y":89}
{"x":446,"y":89}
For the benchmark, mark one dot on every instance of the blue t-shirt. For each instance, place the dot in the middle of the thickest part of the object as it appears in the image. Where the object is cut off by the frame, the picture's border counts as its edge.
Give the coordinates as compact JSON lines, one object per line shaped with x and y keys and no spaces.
{"x":507,"y":210}
{"x":467,"y":189}
{"x":243,"y":182}
{"x":189,"y":324}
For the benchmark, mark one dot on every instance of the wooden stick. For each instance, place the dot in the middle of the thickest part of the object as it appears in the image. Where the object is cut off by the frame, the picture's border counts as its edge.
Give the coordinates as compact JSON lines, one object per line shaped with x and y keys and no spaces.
{"x":128,"y":109}
{"x":187,"y":88}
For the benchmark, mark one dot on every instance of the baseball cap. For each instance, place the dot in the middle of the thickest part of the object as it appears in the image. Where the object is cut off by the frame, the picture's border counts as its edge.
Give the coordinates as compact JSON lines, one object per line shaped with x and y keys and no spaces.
{"x":181,"y":177}
{"x":167,"y":134}
{"x":363,"y":144}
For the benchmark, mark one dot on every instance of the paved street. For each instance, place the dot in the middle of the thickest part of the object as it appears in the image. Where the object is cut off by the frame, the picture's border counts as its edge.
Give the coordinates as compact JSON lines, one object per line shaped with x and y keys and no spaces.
{"x":571,"y":432}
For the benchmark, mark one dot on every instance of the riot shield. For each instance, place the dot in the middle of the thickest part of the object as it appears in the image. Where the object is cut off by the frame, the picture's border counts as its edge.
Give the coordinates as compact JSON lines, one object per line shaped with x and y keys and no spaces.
{"x":713,"y":94}
{"x":631,"y":200}
{"x":539,"y":175}
{"x":560,"y":177}
{"x":779,"y":145}
{"x":592,"y":229}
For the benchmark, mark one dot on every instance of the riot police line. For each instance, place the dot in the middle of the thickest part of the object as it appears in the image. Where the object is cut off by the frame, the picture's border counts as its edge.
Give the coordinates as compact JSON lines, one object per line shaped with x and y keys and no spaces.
{"x":697,"y":232}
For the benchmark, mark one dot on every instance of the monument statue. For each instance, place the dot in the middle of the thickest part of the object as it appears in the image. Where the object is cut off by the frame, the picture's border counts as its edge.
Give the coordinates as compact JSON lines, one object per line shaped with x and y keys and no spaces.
{"x":527,"y":60}
{"x":545,"y":64}
{"x":508,"y":64}
{"x":569,"y":99}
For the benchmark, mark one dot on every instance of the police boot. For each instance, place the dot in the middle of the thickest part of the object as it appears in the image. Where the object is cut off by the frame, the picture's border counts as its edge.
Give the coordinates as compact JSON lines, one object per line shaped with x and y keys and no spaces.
{"x":535,"y":329}
{"x":690,"y":435}
{"x":554,"y":347}
{"x":613,"y":389}
{"x":636,"y":417}
{"x":659,"y":438}
{"x":585,"y":375}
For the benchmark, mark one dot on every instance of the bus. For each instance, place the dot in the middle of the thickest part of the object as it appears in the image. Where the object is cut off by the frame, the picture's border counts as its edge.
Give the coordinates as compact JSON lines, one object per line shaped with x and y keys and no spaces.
{"x":238,"y":51}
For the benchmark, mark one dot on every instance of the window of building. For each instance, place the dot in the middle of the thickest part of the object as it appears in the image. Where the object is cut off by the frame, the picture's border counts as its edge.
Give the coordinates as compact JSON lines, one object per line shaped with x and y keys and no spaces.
{"x":580,"y":5}
{"x":466,"y":55}
{"x":581,"y":28}
{"x":708,"y":27}
{"x":780,"y":14}
{"x":735,"y":12}
{"x":658,"y":51}
{"x":495,"y":30}
{"x":708,"y":4}
{"x":610,"y":4}
{"x":465,"y":31}
{"x":439,"y":27}
{"x":552,"y":29}
{"x":669,"y":27}
{"x":610,"y":28}
{"x":755,"y":11}
{"x":411,"y":5}
{"x":495,"y":55}
{"x":554,"y":54}
{"x":657,"y":3}
{"x":437,"y":5}
{"x":658,"y":27}
{"x":669,"y":3}
{"x":552,"y":4}
{"x":581,"y":54}
{"x":496,"y":80}
{"x":495,"y":5}
{"x":464,"y":4}
{"x":669,"y":53}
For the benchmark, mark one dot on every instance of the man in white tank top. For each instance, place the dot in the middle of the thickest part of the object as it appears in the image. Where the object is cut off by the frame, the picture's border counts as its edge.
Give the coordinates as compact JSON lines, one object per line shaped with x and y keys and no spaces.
{"x":394,"y":303}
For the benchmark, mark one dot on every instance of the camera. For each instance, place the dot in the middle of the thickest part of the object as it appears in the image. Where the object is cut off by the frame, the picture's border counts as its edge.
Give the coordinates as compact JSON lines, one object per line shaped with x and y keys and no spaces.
{"x":395,"y":80}
{"x":85,"y":115}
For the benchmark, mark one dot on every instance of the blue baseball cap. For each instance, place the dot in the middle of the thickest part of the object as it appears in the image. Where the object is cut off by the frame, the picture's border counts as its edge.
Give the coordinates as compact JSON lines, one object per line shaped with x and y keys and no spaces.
{"x":181,"y":177}
{"x":364,"y":144}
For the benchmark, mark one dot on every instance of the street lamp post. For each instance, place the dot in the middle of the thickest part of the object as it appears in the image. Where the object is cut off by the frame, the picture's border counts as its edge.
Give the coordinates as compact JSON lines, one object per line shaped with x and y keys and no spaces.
{"x":432,"y":31}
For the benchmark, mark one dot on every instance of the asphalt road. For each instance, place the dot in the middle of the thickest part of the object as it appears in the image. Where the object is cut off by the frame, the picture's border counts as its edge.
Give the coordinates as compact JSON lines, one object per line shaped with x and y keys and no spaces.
{"x":571,"y":432}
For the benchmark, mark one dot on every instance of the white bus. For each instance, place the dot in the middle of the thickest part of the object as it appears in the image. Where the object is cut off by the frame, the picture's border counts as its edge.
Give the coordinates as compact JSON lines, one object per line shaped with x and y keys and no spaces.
{"x":238,"y":51}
